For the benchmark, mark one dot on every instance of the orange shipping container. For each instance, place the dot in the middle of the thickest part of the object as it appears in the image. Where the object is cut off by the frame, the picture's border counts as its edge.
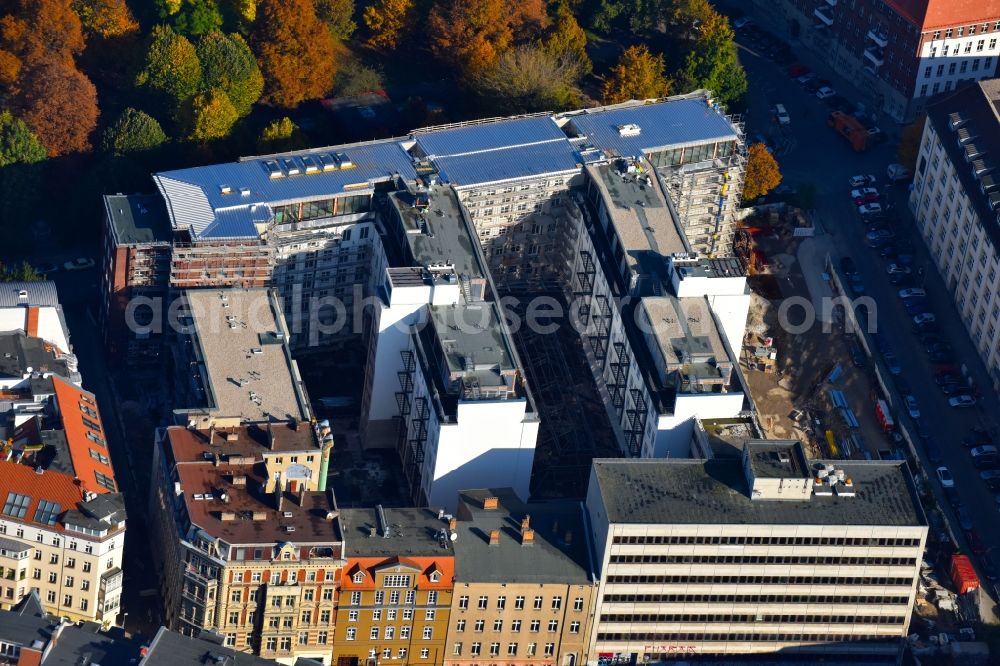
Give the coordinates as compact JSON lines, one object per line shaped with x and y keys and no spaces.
{"x":963,"y":574}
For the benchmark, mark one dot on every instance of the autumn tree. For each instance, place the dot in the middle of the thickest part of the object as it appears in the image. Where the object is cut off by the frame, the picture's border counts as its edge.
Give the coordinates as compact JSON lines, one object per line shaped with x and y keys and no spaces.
{"x":470,"y":34}
{"x":712,"y":61}
{"x":18,"y":145}
{"x":171,"y":68}
{"x":243,"y":11}
{"x":59,"y":104}
{"x":638,"y":75}
{"x":565,"y":37}
{"x":132,"y":131}
{"x":762,"y":173}
{"x":356,"y":78}
{"x":280,"y":136}
{"x":37,"y":30}
{"x":295,"y":51}
{"x":387,"y":21}
{"x":228,"y":63}
{"x":909,"y":142}
{"x":191,"y":17}
{"x":529,"y":78}
{"x":105,"y":18}
{"x":209,"y":116}
{"x":338,"y":15}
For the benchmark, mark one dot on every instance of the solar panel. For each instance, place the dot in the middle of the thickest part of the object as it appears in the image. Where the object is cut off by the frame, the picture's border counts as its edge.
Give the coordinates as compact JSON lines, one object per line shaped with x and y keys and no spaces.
{"x":16,"y":505}
{"x":47,"y":512}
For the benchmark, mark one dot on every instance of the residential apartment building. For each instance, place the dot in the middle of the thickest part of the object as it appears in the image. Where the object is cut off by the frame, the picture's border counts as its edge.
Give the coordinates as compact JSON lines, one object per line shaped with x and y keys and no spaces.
{"x":395,"y":589}
{"x":956,"y":202}
{"x":33,"y":307}
{"x":524,"y":583}
{"x":902,"y":51}
{"x":247,"y":541}
{"x":62,"y":525}
{"x":763,"y":553}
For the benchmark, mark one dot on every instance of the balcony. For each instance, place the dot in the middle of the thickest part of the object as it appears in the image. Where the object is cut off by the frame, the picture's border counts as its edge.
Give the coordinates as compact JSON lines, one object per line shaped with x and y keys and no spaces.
{"x":822,"y":15}
{"x":879,"y":36}
{"x":873,"y":54}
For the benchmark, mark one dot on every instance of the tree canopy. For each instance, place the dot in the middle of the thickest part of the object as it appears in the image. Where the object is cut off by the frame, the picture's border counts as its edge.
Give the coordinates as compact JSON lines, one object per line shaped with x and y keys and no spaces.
{"x":295,"y":51}
{"x":132,"y":131}
{"x":105,"y":18}
{"x":228,"y":63}
{"x":356,"y":78}
{"x":338,"y":15}
{"x":529,"y":78}
{"x":762,"y":172}
{"x":281,"y":135}
{"x":18,"y":145}
{"x":565,"y":37}
{"x":59,"y":104}
{"x":712,"y":61}
{"x":171,"y":68}
{"x":210,"y":116}
{"x":470,"y":34}
{"x":191,"y":17}
{"x":387,"y":21}
{"x":638,"y":75}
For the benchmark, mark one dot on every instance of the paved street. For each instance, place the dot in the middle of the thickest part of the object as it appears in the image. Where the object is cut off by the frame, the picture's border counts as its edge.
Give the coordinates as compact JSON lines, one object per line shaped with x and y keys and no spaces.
{"x":817,"y":155}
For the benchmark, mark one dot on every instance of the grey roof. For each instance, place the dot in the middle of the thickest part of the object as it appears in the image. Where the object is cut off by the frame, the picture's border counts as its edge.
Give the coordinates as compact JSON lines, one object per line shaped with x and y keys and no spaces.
{"x":138,"y":218}
{"x":18,"y":352}
{"x":13,"y":546}
{"x":25,"y":622}
{"x":516,"y":162}
{"x":549,"y":558}
{"x":41,"y":293}
{"x":496,"y":133}
{"x":777,"y":459}
{"x":676,"y":122}
{"x":172,"y":649}
{"x":715,"y":492}
{"x":411,"y":532}
{"x":473,"y":341}
{"x":109,"y":508}
{"x":440,"y":233}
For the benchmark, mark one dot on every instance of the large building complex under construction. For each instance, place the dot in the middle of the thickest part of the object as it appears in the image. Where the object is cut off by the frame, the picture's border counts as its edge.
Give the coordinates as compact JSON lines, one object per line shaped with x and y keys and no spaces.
{"x":624,"y":213}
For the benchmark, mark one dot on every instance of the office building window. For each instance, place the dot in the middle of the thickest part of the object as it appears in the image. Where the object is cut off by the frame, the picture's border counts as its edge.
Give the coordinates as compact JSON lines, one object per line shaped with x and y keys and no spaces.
{"x":463,"y":602}
{"x":538,"y":603}
{"x":483,"y":601}
{"x":519,"y":603}
{"x":494,"y":649}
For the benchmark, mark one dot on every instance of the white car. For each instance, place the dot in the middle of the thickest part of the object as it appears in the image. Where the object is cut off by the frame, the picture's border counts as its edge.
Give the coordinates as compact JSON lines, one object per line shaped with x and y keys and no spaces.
{"x":870,"y":208}
{"x":781,"y":114}
{"x":962,"y":401}
{"x":825,"y":92}
{"x":924,"y":318}
{"x":912,"y":292}
{"x":945,"y":477}
{"x":79,"y":264}
{"x":861,"y":181}
{"x":864,"y":193}
{"x":806,"y":78}
{"x":912,"y":407}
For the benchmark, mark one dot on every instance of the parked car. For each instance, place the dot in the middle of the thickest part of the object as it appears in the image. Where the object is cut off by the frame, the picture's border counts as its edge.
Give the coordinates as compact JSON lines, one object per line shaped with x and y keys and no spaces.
{"x":781,"y":114}
{"x":991,"y":478}
{"x":864,"y":195}
{"x":870,"y":208}
{"x":941,"y":357}
{"x":888,"y":251}
{"x":962,"y":401}
{"x":825,"y":92}
{"x":902,"y":279}
{"x":964,"y":519}
{"x":880,"y":236}
{"x":814,"y":84}
{"x":79,"y":264}
{"x":862,"y":181}
{"x":848,"y":267}
{"x":945,"y":477}
{"x":984,"y":457}
{"x":875,"y":135}
{"x":894,"y":269}
{"x":838,"y":103}
{"x":937,"y":347}
{"x":924,"y":318}
{"x":47,"y":267}
{"x":913,"y":292}
{"x":951,"y":495}
{"x":856,"y":285}
{"x":978,"y":436}
{"x":898,"y":173}
{"x":954,"y":389}
{"x":892,"y":362}
{"x":915,"y":308}
{"x":804,"y":79}
{"x":912,"y":407}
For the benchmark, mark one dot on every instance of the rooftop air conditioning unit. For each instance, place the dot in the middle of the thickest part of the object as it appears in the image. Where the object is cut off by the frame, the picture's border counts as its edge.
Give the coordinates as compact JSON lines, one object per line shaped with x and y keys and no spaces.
{"x":287,"y":514}
{"x":629,"y":129}
{"x":225,"y":189}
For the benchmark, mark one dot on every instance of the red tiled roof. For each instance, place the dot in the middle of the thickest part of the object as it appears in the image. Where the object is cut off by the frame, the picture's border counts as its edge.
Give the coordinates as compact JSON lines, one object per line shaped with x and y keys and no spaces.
{"x":31,"y":326}
{"x":73,"y":403}
{"x":929,"y":14}
{"x":51,"y":486}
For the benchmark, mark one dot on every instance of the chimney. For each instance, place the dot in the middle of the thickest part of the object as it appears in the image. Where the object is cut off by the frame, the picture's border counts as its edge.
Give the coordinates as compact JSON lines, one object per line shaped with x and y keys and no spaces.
{"x":526,"y":522}
{"x":527,"y":537}
{"x":215,"y":459}
{"x":568,"y":539}
{"x":279,"y":496}
{"x":211,"y":434}
{"x":495,"y":538}
{"x":491,"y":503}
{"x":453,"y":524}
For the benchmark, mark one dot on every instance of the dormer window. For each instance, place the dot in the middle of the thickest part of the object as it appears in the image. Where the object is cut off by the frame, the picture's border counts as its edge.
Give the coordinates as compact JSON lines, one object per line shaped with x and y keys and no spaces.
{"x":435,"y":576}
{"x":359,"y":577}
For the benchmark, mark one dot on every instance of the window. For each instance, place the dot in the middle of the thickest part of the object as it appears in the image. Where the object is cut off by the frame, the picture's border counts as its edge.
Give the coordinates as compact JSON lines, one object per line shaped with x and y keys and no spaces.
{"x":515,"y":626}
{"x":321,"y":637}
{"x":411,"y":596}
{"x":402,"y":653}
{"x":460,"y":626}
{"x":67,"y":600}
{"x":287,"y":622}
{"x":390,"y":614}
{"x":538,"y":603}
{"x":358,"y":577}
{"x":16,"y":505}
{"x":396,"y":580}
{"x":511,"y":649}
{"x":407,"y":613}
{"x":379,"y":597}
{"x":394,"y":597}
{"x":428,"y":633}
{"x":425,"y":653}
{"x":993,"y":44}
{"x":501,"y":602}
{"x":940,"y":70}
{"x":463,"y":602}
{"x":432,"y":598}
{"x":373,"y":634}
{"x":236,"y":596}
{"x":980,"y":44}
{"x":53,"y":576}
{"x":578,"y":604}
{"x":927,"y":73}
{"x":404,"y":632}
{"x":574,"y":627}
{"x":479,"y":625}
{"x":387,"y":653}
{"x":234,"y":618}
{"x":531,"y":649}
{"x":497,"y":626}
{"x":352,"y":616}
{"x":328,"y":596}
{"x":99,"y":457}
{"x":494,"y":649}
{"x":475,"y":649}
{"x":535,"y":625}
{"x":975,"y":64}
{"x":390,"y":633}
{"x":352,"y":633}
{"x":519,"y":603}
{"x":550,"y":648}
{"x":456,"y":650}
{"x":303,"y":637}
{"x":272,"y":643}
{"x":230,"y":640}
{"x":309,"y":595}
{"x":46,"y":512}
{"x":429,"y":614}
{"x":556,"y":603}
{"x":923,"y":90}
{"x":483,"y":601}
{"x":951,"y":69}
{"x":553,"y":626}
{"x":307,"y":617}
{"x":324,"y":617}
{"x":377,"y":614}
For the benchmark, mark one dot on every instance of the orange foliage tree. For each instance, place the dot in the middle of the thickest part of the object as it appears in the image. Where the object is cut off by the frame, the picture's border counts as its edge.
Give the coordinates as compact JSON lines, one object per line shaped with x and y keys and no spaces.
{"x":48,"y":29}
{"x":59,"y":104}
{"x":638,"y":75}
{"x":471,"y":34}
{"x":295,"y":51}
{"x":387,"y":20}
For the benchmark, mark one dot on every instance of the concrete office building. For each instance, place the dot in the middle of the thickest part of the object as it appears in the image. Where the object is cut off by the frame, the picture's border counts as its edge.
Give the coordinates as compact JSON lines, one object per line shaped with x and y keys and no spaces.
{"x":956,"y":202}
{"x":902,"y":51}
{"x":62,"y":526}
{"x":396,"y":587}
{"x":760,"y":553}
{"x":247,"y":541}
{"x":524,"y":582}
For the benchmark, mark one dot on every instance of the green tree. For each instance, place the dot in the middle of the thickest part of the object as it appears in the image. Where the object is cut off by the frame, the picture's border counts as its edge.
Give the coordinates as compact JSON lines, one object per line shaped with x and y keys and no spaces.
{"x":338,"y":15}
{"x":210,"y":116}
{"x":171,"y":68}
{"x":529,"y":78}
{"x":762,"y":172}
{"x":356,"y":78}
{"x":295,"y":51}
{"x":565,"y":37}
{"x":909,"y":142}
{"x":280,"y":136}
{"x":18,"y":145}
{"x":132,"y":131}
{"x":712,"y":62}
{"x":191,"y":17}
{"x":387,"y":20}
{"x":25,"y":272}
{"x":105,"y":18}
{"x":638,"y":75}
{"x":228,"y":63}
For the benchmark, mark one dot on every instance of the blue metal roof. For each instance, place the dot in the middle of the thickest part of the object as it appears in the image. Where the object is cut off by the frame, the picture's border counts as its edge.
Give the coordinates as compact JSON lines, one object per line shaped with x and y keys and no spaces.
{"x":671,"y":123}
{"x":195,"y":200}
{"x":480,"y":137}
{"x":517,"y":162}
